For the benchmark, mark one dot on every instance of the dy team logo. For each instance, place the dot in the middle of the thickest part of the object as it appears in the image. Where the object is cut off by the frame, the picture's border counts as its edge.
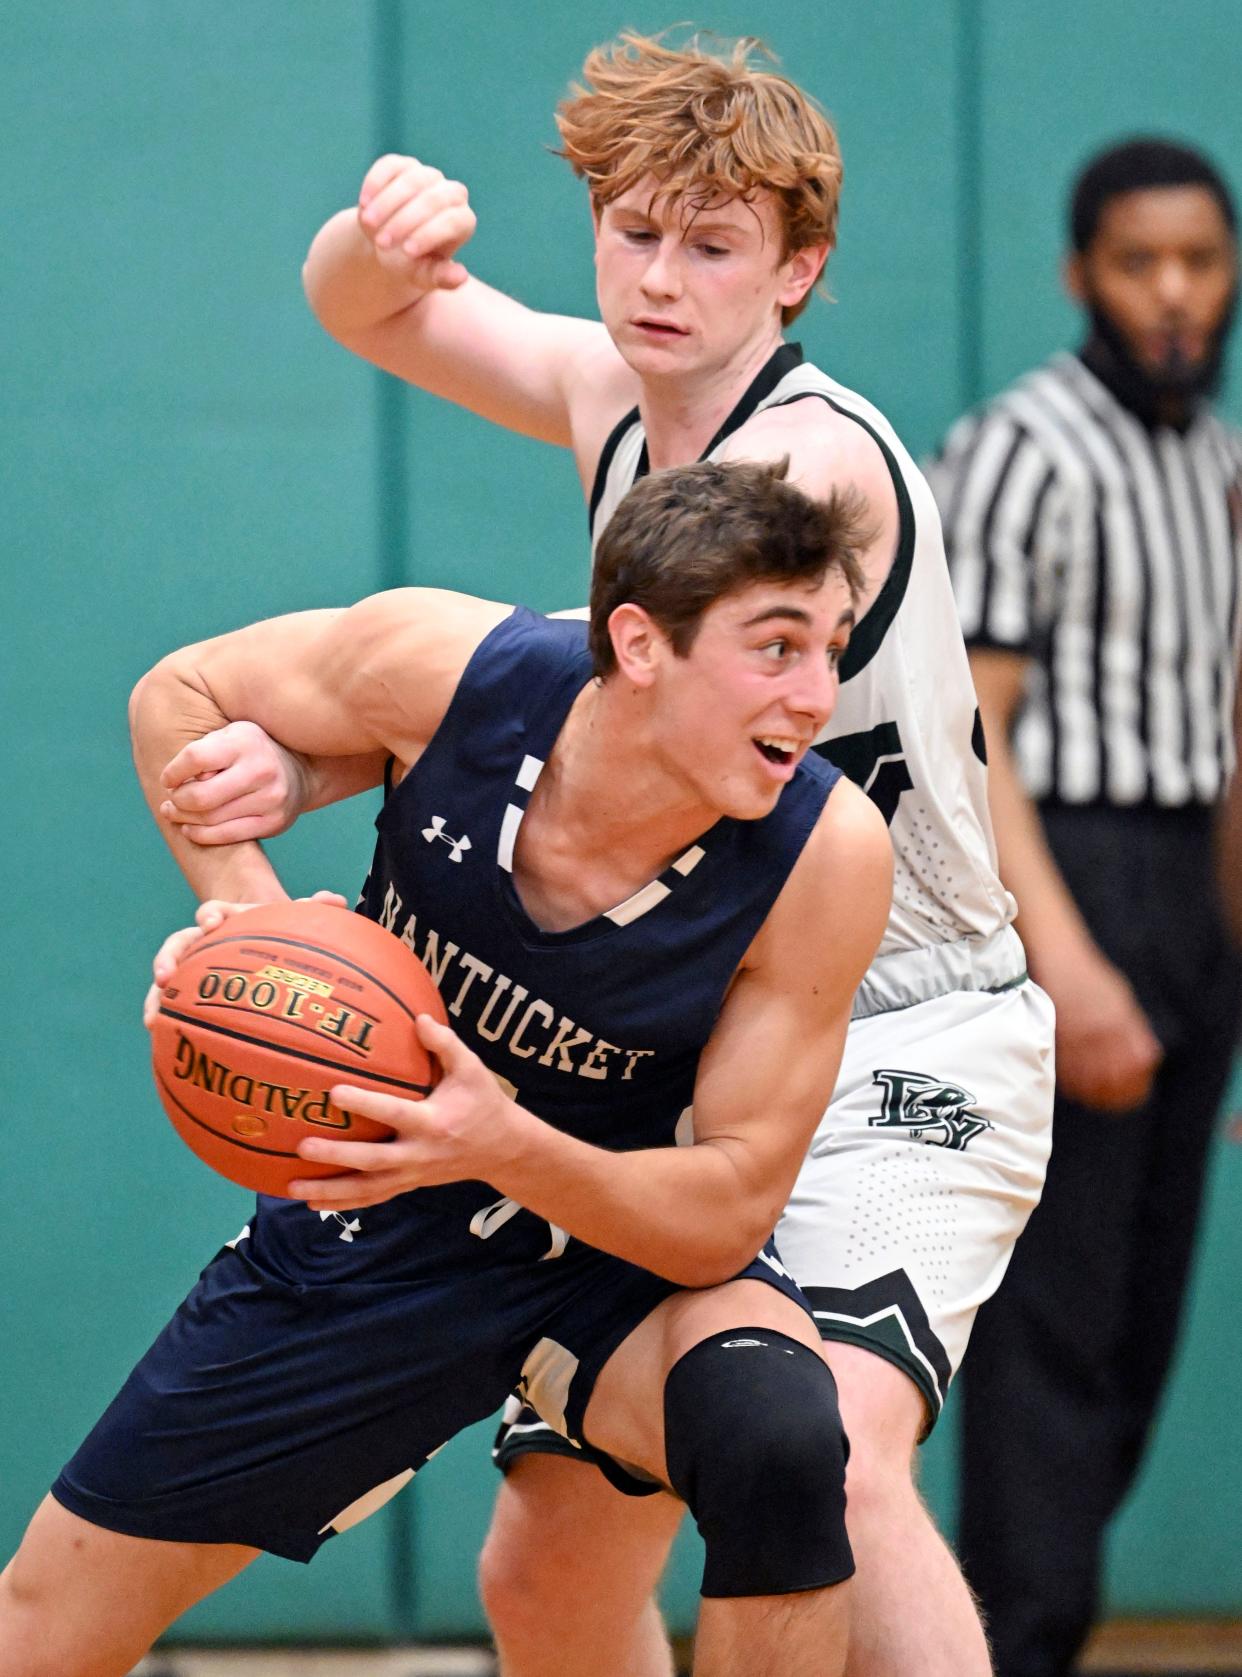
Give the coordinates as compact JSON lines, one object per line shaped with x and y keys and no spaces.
{"x":927,"y":1109}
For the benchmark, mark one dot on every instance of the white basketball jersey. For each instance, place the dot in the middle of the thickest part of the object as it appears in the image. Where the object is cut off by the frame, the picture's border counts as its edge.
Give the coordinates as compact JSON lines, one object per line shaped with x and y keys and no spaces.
{"x":906,"y":726}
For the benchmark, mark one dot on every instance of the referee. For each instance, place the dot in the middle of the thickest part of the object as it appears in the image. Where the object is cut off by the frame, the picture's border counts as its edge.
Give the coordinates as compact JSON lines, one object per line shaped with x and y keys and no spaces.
{"x":1093,"y":521}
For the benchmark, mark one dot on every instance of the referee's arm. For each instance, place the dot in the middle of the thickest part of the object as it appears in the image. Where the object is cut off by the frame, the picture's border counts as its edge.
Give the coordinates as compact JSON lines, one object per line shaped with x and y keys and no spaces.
{"x":994,"y":489}
{"x":1229,"y":833}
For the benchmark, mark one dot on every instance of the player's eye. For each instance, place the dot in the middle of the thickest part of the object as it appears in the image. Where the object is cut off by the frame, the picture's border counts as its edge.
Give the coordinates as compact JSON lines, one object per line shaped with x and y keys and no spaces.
{"x":713,"y":250}
{"x":775,"y":651}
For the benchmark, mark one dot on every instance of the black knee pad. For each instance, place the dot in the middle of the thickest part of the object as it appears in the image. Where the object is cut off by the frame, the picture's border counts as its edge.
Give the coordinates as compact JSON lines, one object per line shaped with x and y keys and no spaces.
{"x":755,"y":1449}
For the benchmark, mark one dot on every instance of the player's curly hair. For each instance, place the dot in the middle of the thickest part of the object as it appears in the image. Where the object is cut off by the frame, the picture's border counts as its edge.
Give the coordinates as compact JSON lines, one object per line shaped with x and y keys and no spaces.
{"x":684,"y":538}
{"x":705,"y":126}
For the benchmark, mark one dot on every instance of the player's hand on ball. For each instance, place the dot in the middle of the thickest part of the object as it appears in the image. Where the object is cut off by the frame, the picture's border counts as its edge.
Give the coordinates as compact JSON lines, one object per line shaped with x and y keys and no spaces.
{"x":233,"y":784}
{"x":466,"y":1128}
{"x":416,"y":221}
{"x":208,"y":916}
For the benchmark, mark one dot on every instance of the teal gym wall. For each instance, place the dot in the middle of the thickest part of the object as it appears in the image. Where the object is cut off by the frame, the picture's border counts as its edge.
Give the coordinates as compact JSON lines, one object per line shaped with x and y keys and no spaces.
{"x":184,"y":451}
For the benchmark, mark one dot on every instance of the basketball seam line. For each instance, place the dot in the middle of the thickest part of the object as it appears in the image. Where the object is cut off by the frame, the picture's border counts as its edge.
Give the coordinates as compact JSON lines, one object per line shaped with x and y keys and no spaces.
{"x":315,"y":949}
{"x":294,"y":1053}
{"x":231,"y":1140}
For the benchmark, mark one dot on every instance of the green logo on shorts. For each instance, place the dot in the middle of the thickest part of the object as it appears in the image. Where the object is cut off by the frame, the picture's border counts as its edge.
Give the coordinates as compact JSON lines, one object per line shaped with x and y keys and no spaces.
{"x":927,"y":1109}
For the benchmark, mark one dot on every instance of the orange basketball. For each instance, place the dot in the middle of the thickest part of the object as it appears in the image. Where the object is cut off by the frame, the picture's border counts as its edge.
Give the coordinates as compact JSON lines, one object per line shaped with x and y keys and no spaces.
{"x":265,"y":1014}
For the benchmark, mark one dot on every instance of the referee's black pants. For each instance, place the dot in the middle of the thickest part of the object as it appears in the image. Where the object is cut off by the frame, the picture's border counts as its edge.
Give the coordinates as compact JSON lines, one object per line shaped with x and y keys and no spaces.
{"x":1067,"y":1362}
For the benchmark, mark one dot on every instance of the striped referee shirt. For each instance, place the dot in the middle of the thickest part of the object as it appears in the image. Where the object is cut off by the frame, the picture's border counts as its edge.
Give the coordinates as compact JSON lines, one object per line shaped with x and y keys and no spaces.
{"x":1110,"y":554}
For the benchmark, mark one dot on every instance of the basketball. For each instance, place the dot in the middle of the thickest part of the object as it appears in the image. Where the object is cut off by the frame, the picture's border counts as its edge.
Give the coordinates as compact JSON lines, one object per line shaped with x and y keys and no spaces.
{"x":265,"y":1014}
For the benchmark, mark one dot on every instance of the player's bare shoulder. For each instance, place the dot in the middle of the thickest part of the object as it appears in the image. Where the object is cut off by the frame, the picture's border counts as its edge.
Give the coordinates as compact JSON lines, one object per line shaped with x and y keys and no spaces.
{"x":828,"y":451}
{"x":379,"y":644}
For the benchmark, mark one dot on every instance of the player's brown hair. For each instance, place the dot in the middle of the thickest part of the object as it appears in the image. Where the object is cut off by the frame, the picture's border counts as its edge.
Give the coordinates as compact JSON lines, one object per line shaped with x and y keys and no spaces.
{"x":684,"y":538}
{"x":705,"y":126}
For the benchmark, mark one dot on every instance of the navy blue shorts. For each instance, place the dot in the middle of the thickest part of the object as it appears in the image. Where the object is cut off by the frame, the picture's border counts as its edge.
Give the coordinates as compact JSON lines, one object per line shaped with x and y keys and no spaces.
{"x":275,"y":1414}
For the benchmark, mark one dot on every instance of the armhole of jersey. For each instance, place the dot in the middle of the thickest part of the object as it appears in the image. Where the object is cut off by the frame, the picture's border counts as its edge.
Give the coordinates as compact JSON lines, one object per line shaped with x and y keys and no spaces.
{"x":866,"y":640}
{"x":605,"y":461}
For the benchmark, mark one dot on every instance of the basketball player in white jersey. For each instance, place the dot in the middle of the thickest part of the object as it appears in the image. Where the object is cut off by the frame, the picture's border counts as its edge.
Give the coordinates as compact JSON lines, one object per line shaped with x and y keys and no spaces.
{"x":714,"y":189}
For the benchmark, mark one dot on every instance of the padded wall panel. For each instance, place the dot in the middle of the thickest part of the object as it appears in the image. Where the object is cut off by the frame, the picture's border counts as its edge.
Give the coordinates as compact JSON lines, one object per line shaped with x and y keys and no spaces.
{"x":182,"y":454}
{"x":1058,"y":83}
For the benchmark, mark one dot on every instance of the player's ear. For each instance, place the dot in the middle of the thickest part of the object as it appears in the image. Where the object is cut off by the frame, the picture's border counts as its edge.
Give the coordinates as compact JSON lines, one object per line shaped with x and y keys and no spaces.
{"x":799,"y":273}
{"x":637,"y":642}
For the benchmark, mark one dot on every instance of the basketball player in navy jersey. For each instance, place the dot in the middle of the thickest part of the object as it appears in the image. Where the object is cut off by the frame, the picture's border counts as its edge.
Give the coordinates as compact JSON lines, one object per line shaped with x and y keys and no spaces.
{"x":585,"y":822}
{"x":944,"y":1101}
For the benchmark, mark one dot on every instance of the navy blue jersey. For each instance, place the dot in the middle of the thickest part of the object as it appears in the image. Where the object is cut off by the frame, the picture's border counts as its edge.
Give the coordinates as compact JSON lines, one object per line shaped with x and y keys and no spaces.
{"x":319,"y":1362}
{"x":598,"y":1029}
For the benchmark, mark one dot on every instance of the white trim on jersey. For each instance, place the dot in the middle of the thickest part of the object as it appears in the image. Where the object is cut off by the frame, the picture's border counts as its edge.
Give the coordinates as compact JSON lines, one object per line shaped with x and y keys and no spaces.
{"x":641,"y":902}
{"x":637,"y":905}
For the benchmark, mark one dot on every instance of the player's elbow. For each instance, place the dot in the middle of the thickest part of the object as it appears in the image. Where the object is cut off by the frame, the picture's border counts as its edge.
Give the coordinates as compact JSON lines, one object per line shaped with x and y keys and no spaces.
{"x":723,"y":1253}
{"x":171,"y":691}
{"x":701,"y":1269}
{"x":145,"y":698}
{"x":321,"y":306}
{"x":158,"y":680}
{"x":135,"y":703}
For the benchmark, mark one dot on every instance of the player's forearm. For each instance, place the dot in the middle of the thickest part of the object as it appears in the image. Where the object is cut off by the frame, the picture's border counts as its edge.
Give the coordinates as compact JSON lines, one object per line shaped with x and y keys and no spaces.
{"x":348,"y":288}
{"x":330,"y":780}
{"x":682,"y":1212}
{"x":166,"y":711}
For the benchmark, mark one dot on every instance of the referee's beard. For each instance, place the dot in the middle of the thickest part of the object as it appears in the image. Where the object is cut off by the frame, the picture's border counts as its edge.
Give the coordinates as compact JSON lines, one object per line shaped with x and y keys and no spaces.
{"x":1164,"y":395}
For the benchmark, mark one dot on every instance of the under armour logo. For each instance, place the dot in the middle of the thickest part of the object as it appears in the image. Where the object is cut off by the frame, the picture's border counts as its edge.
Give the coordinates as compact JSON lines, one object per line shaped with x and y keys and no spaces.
{"x":928,"y":1110}
{"x":349,"y":1226}
{"x":457,"y":847}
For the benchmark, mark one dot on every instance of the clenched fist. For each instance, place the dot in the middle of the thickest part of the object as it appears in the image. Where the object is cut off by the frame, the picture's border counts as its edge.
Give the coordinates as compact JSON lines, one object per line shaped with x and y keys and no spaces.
{"x":417,"y":221}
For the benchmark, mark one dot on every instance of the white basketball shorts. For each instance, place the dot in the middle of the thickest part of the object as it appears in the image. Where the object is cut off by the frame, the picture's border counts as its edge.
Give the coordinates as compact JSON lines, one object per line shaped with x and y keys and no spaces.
{"x":922,"y":1175}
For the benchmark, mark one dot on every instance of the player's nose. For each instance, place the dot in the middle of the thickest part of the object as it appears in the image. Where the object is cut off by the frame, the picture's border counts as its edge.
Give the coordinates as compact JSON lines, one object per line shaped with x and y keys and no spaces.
{"x":662,"y":275}
{"x":813,"y":696}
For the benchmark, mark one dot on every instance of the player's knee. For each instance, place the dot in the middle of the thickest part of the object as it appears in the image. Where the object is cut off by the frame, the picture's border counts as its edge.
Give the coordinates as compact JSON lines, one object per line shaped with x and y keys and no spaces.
{"x":885,"y":1415}
{"x":522,"y":1574}
{"x":25,"y":1621}
{"x":511,"y":1586}
{"x":879,"y":1487}
{"x":756,"y":1450}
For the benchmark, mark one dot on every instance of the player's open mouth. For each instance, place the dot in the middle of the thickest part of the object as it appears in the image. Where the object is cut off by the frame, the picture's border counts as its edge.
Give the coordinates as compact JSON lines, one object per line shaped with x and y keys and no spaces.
{"x":661,"y":328}
{"x":776,"y":749}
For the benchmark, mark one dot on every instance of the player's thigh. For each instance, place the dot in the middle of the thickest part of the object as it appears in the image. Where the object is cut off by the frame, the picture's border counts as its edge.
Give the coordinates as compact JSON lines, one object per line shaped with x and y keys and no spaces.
{"x":273,"y":1414}
{"x":625,"y":1415}
{"x":561,"y":1533}
{"x":883,"y":1412}
{"x":92,"y":1600}
{"x":922,"y":1176}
